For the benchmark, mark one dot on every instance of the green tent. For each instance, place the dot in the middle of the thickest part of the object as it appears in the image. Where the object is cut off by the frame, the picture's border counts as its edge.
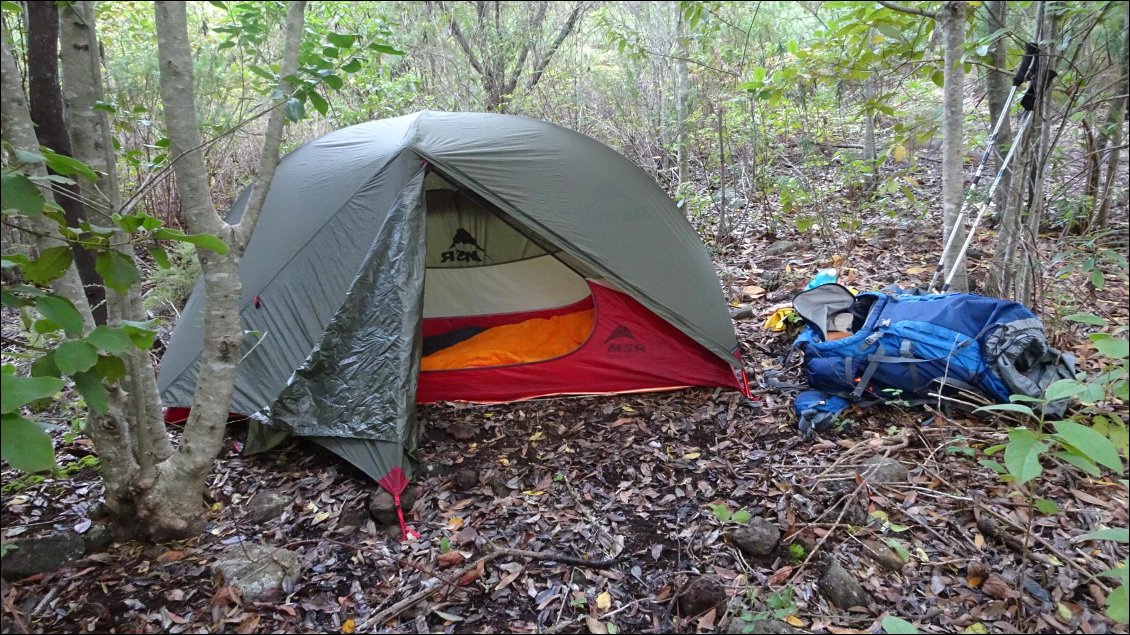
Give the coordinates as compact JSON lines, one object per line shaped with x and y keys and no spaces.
{"x":381,"y":239}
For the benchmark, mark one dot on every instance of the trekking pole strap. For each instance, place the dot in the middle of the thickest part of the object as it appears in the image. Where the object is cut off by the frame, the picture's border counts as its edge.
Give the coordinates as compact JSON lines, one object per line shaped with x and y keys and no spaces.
{"x":1021,"y":76}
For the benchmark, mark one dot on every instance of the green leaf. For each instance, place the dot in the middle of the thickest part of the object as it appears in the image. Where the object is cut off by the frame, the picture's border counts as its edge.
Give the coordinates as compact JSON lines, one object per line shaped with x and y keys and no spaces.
{"x":334,"y":82}
{"x":385,"y":48}
{"x":294,"y":109}
{"x":19,"y":193}
{"x":892,"y":625}
{"x":1118,"y":605}
{"x":62,"y":312}
{"x":110,"y":340}
{"x":341,"y":40}
{"x":141,"y":334}
{"x":1047,"y":506}
{"x":25,"y":445}
{"x":160,"y":256}
{"x":109,"y":368}
{"x":1022,"y":456}
{"x":69,"y":166}
{"x":1117,"y":534}
{"x":1098,"y":280}
{"x":319,"y":103}
{"x":204,"y":241}
{"x":1086,"y":318}
{"x":741,"y":516}
{"x":90,"y":385}
{"x":939,"y":78}
{"x":117,"y":269}
{"x":16,"y":392}
{"x":993,"y":465}
{"x":1112,"y":347}
{"x":352,"y":66}
{"x":1008,"y":407}
{"x":75,"y":356}
{"x":1063,"y":388}
{"x":896,"y":545}
{"x":1080,"y":462}
{"x":721,"y":511}
{"x":1090,"y":443}
{"x":45,"y":366}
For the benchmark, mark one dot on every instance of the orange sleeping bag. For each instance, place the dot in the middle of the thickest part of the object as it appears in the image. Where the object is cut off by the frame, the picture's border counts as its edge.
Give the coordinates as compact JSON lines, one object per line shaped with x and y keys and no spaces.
{"x":533,"y":340}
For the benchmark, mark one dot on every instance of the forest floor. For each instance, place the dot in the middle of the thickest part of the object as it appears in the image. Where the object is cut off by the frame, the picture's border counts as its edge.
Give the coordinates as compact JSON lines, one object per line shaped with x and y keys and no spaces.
{"x":652,"y":481}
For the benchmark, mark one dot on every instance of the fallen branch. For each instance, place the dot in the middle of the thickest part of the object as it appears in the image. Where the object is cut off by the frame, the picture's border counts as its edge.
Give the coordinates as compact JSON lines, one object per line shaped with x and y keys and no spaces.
{"x":415,"y":598}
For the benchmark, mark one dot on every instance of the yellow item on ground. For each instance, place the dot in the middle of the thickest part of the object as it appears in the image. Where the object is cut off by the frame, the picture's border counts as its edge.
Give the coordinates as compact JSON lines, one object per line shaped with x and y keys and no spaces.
{"x":776,"y":322}
{"x":533,"y":340}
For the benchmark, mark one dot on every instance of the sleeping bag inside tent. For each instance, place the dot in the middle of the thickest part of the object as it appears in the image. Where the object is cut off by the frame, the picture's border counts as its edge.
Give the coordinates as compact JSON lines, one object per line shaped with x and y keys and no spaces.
{"x":456,"y":257}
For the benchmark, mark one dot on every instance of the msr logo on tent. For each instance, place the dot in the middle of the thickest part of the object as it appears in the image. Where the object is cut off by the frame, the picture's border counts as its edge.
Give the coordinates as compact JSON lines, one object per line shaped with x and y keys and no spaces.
{"x":621,"y":340}
{"x":464,"y":248}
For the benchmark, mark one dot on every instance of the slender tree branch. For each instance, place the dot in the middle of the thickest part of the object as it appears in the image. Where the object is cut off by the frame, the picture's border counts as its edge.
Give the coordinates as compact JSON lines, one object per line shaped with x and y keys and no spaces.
{"x":905,"y":9}
{"x":269,"y":158}
{"x":562,"y":34}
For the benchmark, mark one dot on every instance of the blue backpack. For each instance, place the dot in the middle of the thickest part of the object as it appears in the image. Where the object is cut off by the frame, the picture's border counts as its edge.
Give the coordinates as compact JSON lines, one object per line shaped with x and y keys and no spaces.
{"x":960,"y":348}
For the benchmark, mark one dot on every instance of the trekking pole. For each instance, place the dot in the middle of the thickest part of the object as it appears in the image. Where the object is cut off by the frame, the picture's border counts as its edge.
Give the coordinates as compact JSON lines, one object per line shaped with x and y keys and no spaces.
{"x":984,"y":205}
{"x":1028,"y":101}
{"x":1022,"y":75}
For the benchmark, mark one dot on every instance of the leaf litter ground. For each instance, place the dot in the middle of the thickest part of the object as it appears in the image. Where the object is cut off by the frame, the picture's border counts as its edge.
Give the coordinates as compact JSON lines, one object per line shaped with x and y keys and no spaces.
{"x":634,"y":478}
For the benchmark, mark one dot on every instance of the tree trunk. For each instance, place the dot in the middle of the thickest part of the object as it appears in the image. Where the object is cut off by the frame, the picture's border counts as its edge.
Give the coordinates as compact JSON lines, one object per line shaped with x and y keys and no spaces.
{"x":952,"y":21}
{"x":1113,"y":127}
{"x":46,"y":103}
{"x":681,"y":93}
{"x":870,"y":152}
{"x":1111,"y":137}
{"x":139,"y":404}
{"x":1039,"y":136}
{"x":18,"y":130}
{"x":170,"y":502}
{"x":1001,"y":273}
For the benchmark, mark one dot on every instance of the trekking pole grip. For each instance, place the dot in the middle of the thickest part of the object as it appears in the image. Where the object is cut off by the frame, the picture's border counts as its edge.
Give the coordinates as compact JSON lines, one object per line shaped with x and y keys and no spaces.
{"x":1030,"y":50}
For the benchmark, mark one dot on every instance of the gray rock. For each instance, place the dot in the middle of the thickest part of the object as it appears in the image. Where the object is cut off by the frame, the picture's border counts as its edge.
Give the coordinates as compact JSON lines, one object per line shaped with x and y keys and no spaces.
{"x":782,"y":247}
{"x":743,"y":312}
{"x":39,"y":554}
{"x":878,"y":469}
{"x":758,"y":538}
{"x":258,"y":571}
{"x":465,"y":479}
{"x":701,"y":595}
{"x":428,"y":470}
{"x":266,"y":506}
{"x":841,"y":588}
{"x":353,"y":514}
{"x":97,"y":538}
{"x":883,"y":555}
{"x":382,"y":506}
{"x":734,"y":199}
{"x":773,"y":627}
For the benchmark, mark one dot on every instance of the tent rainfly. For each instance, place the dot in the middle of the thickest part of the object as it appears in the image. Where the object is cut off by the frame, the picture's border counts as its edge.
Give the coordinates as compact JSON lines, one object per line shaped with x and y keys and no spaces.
{"x":457,"y":257}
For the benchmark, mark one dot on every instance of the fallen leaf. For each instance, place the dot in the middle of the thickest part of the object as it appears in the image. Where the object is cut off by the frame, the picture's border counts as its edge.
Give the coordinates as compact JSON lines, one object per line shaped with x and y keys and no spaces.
{"x":320,"y":517}
{"x":996,"y":588}
{"x":171,"y":556}
{"x":604,"y":601}
{"x":794,"y":620}
{"x":595,"y":625}
{"x":537,"y":436}
{"x":248,"y":625}
{"x":914,"y":271}
{"x":690,"y":456}
{"x":348,"y":626}
{"x":454,"y":523}
{"x":450,"y":559}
